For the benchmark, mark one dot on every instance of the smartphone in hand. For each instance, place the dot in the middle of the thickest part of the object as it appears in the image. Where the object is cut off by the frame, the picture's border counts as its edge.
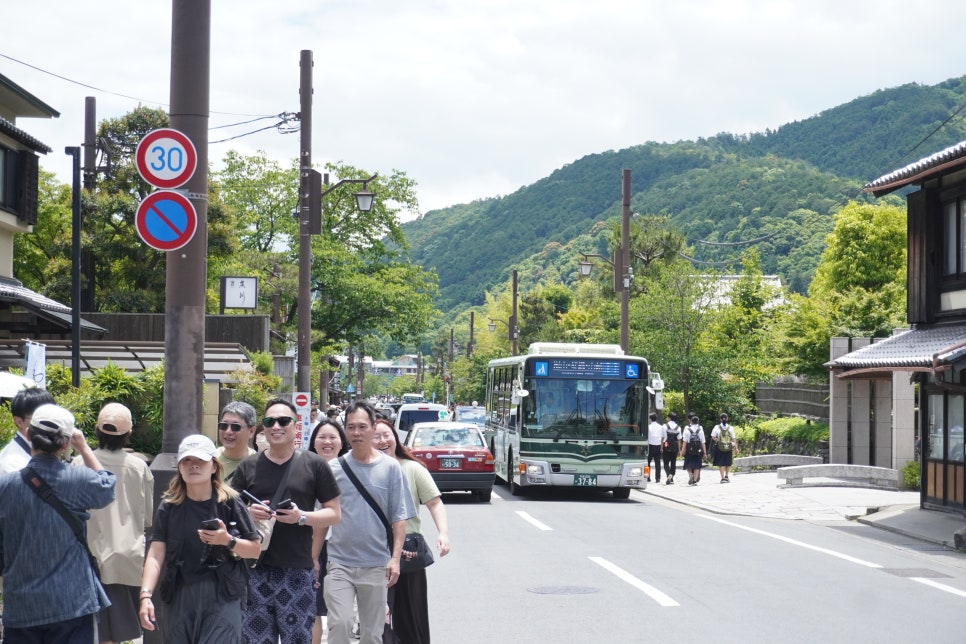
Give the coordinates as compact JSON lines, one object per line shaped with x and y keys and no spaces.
{"x":209,"y":524}
{"x":285,"y":505}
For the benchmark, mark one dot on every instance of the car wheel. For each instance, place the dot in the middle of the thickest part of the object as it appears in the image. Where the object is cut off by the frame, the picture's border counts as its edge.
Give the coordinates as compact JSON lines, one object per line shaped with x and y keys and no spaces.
{"x":622,"y":492}
{"x":484,"y":496}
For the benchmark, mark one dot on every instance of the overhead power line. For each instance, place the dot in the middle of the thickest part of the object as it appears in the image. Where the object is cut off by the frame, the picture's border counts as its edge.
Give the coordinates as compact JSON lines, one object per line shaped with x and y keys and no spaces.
{"x":105,"y":91}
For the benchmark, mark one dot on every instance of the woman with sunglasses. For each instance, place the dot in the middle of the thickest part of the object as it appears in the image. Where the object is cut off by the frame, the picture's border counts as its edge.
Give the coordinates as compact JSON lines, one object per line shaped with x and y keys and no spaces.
{"x":195,"y":564}
{"x":285,"y":480}
{"x":235,"y":433}
{"x":328,"y":441}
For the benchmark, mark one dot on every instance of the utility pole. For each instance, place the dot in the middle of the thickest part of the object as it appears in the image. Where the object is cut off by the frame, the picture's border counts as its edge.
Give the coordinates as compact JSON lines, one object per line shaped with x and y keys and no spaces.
{"x":513,"y":318}
{"x":469,"y":345}
{"x":304,"y":352}
{"x":622,"y":269}
{"x":90,"y":183}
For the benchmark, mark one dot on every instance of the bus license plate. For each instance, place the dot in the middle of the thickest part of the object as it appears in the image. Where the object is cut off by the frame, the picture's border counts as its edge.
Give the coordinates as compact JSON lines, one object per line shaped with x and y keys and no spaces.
{"x":585,"y":480}
{"x":449,"y":463}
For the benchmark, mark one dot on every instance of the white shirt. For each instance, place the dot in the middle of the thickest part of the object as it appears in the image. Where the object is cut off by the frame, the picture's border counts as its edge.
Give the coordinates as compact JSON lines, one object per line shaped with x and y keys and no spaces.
{"x":656,"y":433}
{"x":13,"y":458}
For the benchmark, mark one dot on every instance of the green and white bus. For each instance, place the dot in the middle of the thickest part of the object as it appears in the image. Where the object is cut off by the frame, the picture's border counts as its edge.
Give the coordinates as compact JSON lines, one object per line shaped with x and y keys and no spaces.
{"x":571,"y":415}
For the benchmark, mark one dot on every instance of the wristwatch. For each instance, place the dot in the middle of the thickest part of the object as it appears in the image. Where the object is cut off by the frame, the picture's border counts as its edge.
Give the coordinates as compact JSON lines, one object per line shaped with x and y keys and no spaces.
{"x":302,"y":518}
{"x":231,"y":544}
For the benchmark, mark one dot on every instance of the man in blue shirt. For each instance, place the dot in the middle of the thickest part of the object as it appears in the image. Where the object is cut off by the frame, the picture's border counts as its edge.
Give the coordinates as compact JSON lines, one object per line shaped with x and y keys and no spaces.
{"x":50,"y":592}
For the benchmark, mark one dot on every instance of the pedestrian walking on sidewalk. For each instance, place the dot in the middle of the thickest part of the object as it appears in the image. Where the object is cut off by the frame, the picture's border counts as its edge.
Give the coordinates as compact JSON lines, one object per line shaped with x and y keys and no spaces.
{"x":656,"y":435}
{"x":671,"y":447}
{"x":725,"y":447}
{"x":695,"y":452}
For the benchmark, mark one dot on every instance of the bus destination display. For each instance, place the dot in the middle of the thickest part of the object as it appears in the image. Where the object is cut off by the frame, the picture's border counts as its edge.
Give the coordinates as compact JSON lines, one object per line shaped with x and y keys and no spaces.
{"x":581,"y":368}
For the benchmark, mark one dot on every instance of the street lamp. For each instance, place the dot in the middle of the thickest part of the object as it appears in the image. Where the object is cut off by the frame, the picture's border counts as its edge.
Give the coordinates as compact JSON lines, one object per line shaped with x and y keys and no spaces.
{"x":311,"y":209}
{"x":621,"y":264}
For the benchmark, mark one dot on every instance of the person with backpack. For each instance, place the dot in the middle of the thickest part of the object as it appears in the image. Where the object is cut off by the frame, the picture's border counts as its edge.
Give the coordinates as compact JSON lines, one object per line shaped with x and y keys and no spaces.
{"x":694,"y":450}
{"x":672,"y":445}
{"x":723,"y":436}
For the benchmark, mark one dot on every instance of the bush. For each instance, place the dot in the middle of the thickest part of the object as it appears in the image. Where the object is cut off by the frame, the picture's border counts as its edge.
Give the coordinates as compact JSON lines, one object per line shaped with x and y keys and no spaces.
{"x":788,"y":435}
{"x":912,"y":475}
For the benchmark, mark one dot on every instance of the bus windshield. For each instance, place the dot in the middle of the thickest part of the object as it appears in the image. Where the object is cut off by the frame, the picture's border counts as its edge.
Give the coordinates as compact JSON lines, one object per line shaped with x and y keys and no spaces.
{"x":584,"y":408}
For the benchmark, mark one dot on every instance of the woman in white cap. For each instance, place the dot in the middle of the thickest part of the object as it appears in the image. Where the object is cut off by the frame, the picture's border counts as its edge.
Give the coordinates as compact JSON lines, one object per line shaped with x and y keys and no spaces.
{"x":115,"y":534}
{"x":202,"y":532}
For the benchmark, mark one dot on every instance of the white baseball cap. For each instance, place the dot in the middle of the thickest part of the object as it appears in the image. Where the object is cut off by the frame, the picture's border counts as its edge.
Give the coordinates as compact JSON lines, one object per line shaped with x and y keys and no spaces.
{"x":197,"y":445}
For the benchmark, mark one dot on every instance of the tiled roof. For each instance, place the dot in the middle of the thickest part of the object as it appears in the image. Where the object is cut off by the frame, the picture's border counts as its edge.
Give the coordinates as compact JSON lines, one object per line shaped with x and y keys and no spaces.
{"x":12,"y":290}
{"x":18,"y":135}
{"x":922,"y":348}
{"x":953,"y":156}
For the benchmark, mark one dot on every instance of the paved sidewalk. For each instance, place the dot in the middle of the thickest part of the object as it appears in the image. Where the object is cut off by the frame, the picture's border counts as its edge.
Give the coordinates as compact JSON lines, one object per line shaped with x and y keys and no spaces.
{"x":757,"y":494}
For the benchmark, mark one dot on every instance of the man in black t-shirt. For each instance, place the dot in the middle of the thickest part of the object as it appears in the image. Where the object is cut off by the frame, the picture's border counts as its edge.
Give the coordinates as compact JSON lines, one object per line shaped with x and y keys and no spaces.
{"x":282,"y":583}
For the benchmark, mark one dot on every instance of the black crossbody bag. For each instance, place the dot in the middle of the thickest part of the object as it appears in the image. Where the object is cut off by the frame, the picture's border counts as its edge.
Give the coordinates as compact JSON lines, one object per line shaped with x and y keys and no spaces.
{"x":36,"y":483}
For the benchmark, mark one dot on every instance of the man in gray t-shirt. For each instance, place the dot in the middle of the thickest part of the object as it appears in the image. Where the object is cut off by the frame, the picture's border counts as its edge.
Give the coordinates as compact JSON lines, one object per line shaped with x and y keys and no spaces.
{"x":361,"y":565}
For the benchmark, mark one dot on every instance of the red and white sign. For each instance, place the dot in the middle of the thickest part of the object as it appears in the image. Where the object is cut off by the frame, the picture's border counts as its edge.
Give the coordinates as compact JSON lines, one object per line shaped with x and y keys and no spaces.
{"x":166,"y":158}
{"x":166,"y":220}
{"x":301,"y":401}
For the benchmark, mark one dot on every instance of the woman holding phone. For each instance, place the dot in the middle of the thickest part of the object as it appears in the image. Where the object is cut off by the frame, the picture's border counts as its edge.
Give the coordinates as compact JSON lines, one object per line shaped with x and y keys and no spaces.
{"x":195,"y":564}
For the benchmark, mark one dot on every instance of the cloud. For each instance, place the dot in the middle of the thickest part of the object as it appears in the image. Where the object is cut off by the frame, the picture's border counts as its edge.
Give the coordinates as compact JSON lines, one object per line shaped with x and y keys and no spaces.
{"x":474,"y":99}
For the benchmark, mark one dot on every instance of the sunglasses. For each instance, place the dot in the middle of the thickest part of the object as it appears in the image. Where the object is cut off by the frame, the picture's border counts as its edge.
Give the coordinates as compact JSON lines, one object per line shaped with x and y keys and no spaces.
{"x":283,"y":421}
{"x":235,"y":427}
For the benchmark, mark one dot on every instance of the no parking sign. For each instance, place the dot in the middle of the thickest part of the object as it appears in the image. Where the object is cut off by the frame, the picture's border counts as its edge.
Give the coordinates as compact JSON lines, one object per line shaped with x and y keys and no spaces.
{"x":166,"y":220}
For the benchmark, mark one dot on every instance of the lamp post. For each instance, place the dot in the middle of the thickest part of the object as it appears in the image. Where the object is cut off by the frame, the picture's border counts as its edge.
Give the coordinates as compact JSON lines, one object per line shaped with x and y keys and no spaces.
{"x":621,"y":264}
{"x":312,"y":199}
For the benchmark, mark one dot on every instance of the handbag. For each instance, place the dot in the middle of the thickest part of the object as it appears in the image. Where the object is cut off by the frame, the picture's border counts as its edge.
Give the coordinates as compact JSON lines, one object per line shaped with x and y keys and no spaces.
{"x":415,"y":542}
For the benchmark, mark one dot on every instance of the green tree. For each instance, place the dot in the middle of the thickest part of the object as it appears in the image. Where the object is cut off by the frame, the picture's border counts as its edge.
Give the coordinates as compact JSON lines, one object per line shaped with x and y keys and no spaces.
{"x":668,"y":323}
{"x":42,"y":260}
{"x":859,"y":286}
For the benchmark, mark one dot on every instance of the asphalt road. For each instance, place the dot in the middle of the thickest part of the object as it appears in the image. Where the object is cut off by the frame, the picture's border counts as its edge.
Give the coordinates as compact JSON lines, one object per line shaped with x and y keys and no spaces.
{"x":582,"y":567}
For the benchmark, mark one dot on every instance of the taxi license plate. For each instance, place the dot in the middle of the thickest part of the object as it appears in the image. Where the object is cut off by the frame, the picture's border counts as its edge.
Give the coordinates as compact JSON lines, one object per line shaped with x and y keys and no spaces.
{"x":585,"y":480}
{"x":449,"y":463}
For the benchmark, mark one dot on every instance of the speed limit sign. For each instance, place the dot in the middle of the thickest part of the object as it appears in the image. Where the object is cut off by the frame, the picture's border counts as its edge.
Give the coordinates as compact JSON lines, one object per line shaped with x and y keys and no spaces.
{"x":166,"y":158}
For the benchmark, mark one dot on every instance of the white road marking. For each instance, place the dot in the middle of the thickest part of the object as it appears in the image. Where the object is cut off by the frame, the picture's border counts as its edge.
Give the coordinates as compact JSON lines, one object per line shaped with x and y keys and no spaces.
{"x":794,"y":542}
{"x":494,"y":495}
{"x":650,"y":591}
{"x":529,"y":519}
{"x":939,"y":586}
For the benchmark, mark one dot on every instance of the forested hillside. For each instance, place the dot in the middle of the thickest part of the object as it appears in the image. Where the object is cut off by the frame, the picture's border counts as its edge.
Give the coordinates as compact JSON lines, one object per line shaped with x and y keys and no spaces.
{"x":723,"y":189}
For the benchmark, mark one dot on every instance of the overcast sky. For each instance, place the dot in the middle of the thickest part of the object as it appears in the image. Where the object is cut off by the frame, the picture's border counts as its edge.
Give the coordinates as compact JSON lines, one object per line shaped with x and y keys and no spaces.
{"x":476,"y":98}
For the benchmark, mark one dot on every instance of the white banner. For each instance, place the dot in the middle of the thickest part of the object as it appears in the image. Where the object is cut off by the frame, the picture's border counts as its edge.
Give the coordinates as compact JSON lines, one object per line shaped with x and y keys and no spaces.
{"x":35,"y":364}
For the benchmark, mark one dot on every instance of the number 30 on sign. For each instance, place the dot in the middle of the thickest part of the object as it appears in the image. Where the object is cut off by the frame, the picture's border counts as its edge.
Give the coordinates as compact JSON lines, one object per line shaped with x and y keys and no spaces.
{"x":166,"y":158}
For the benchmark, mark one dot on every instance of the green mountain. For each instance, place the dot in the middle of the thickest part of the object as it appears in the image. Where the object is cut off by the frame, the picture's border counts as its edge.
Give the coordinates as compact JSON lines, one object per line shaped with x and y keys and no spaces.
{"x":783,"y":184}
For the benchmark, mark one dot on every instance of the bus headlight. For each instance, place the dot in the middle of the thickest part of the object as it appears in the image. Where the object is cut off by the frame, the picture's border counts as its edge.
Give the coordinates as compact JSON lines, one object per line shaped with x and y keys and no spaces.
{"x":635,"y":472}
{"x":534,"y":470}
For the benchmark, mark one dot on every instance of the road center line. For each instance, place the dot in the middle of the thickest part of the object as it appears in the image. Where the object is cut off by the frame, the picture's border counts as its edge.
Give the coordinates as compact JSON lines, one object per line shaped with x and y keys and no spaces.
{"x":622,"y":574}
{"x":794,"y":542}
{"x":529,"y":519}
{"x":939,"y":586}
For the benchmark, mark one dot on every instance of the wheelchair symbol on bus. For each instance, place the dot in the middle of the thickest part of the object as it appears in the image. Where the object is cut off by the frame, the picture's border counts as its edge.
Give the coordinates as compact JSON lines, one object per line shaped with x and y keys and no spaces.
{"x":631,"y":371}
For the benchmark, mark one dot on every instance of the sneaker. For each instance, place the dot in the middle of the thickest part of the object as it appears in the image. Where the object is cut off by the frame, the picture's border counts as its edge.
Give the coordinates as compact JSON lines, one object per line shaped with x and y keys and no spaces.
{"x":669,"y":482}
{"x":727,"y":480}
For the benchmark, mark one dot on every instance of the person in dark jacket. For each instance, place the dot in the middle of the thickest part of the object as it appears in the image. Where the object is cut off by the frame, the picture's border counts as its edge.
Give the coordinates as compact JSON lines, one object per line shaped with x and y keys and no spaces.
{"x":202,"y":534}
